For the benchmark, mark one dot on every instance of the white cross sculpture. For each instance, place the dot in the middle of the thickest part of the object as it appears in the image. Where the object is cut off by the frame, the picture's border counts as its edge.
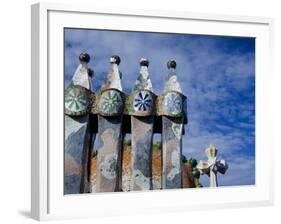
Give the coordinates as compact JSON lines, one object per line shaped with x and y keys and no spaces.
{"x":212,"y":166}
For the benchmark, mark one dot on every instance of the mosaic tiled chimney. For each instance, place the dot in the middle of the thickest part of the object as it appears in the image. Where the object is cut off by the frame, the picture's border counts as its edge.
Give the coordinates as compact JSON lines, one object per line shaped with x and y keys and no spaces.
{"x":172,"y":105}
{"x":142,"y":121}
{"x":106,"y":116}
{"x":109,"y":137}
{"x":78,"y":97}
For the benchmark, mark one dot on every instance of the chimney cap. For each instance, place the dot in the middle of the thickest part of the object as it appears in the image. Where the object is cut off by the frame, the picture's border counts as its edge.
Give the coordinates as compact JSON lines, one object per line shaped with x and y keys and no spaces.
{"x":115,"y":59}
{"x":84,"y":57}
{"x":172,"y":63}
{"x":144,"y":62}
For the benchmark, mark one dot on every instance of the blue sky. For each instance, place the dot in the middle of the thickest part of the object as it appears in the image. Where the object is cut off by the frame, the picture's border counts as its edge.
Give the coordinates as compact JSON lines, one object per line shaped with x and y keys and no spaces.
{"x":216,"y":73}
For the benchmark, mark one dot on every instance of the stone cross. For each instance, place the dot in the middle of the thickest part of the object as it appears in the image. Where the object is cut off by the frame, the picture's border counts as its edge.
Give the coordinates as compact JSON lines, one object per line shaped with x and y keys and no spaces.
{"x":142,"y":122}
{"x":212,"y":166}
{"x":77,"y":134}
{"x":109,"y":138}
{"x":172,"y":129}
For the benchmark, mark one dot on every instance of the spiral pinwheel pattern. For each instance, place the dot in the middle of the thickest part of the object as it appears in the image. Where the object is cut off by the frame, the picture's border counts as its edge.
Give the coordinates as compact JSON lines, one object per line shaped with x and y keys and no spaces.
{"x":110,"y":102}
{"x":172,"y":103}
{"x":143,"y":101}
{"x":77,"y":100}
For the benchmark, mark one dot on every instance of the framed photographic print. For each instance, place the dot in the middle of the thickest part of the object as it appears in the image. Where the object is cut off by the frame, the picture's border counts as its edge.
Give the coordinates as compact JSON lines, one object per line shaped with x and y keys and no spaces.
{"x":164,"y":111}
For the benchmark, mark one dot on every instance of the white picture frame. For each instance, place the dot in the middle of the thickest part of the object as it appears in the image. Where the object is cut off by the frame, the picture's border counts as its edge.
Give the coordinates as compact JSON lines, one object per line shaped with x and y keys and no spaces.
{"x":48,"y":201}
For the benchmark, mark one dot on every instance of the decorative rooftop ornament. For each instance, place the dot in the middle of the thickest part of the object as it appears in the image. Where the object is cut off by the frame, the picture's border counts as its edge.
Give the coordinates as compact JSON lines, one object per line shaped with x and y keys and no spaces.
{"x":143,"y":82}
{"x":171,"y":83}
{"x":114,"y":76}
{"x":109,"y":138}
{"x":142,"y":121}
{"x":212,"y":166}
{"x":109,"y":107}
{"x":81,"y":76}
{"x":110,"y":102}
{"x":172,"y":102}
{"x":143,"y":101}
{"x":170,"y":105}
{"x":78,"y":98}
